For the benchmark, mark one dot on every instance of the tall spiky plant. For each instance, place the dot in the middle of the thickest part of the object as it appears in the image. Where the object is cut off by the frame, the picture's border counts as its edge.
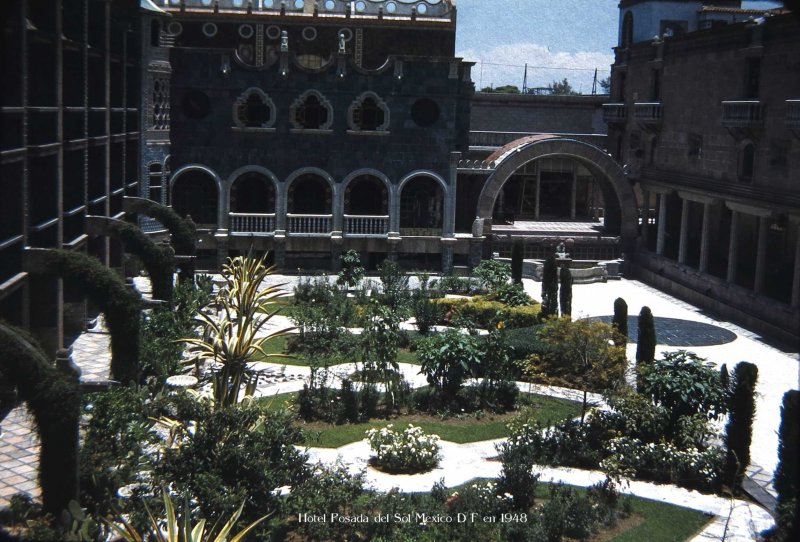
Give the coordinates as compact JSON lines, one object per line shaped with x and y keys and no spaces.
{"x":233,"y":338}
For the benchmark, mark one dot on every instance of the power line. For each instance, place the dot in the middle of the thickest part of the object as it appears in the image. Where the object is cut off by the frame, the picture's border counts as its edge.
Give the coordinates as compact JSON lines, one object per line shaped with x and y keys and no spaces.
{"x":538,"y":67}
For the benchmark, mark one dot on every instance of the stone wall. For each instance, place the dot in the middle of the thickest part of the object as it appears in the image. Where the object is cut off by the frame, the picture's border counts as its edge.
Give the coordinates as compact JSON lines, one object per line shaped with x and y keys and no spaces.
{"x":496,"y":112}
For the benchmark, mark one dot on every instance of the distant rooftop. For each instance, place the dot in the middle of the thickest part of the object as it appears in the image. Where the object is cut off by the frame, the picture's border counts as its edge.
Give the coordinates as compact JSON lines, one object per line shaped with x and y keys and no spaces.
{"x":423,"y":9}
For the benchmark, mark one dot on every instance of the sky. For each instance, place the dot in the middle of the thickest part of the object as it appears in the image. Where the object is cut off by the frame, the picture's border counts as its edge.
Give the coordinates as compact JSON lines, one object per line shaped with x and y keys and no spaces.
{"x":556,"y":38}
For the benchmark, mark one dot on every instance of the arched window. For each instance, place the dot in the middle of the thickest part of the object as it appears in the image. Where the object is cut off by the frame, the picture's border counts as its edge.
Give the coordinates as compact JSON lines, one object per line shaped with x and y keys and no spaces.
{"x":747,"y":162}
{"x":311,"y":111}
{"x":254,"y":109}
{"x":627,"y":30}
{"x":368,"y":114}
{"x":155,"y":179}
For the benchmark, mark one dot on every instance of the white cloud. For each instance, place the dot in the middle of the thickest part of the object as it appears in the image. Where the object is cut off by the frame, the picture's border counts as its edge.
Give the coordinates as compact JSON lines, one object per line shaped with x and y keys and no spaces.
{"x":504,"y":65}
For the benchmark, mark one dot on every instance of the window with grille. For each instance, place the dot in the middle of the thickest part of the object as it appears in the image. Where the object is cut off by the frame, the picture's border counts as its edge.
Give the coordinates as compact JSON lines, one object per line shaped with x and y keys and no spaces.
{"x":254,"y":109}
{"x":311,"y":112}
{"x":160,"y":103}
{"x":368,"y":114}
{"x":154,"y":177}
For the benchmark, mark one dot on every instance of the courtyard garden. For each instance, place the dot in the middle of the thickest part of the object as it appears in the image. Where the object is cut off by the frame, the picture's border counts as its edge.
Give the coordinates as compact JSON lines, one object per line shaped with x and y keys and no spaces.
{"x":409,"y":370}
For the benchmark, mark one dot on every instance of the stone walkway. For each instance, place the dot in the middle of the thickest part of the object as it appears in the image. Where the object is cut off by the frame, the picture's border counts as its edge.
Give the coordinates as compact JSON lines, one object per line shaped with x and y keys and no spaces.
{"x":778,"y":370}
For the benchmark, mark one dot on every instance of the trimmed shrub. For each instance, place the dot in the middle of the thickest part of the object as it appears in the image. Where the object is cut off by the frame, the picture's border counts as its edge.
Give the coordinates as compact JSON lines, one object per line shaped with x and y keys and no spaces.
{"x":103,"y":287}
{"x":493,"y":273}
{"x":516,"y":262}
{"x":352,"y":272}
{"x":483,"y":313}
{"x":646,"y":343}
{"x":565,"y":291}
{"x":620,"y":320}
{"x":787,"y":475}
{"x":739,"y":431}
{"x":159,"y":261}
{"x":517,"y":477}
{"x":550,"y":287}
{"x":521,"y":317}
{"x":407,"y":451}
{"x":54,"y":399}
{"x":512,"y":295}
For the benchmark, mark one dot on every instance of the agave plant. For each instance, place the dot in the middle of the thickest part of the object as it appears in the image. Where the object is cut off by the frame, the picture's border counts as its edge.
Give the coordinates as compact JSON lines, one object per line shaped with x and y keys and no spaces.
{"x":173,"y":528}
{"x":232,"y":338}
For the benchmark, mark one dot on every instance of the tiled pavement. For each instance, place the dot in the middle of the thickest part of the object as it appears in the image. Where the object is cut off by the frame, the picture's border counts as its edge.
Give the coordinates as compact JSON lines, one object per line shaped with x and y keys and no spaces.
{"x":19,"y":456}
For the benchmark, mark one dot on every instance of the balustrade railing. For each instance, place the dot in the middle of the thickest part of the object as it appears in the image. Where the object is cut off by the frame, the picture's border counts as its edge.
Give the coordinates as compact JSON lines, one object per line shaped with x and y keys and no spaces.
{"x":253,"y":223}
{"x":647,"y":112}
{"x":479,"y":138}
{"x":614,"y":113}
{"x":309,"y":224}
{"x":742,"y":114}
{"x":366,"y":225}
{"x":793,"y":113}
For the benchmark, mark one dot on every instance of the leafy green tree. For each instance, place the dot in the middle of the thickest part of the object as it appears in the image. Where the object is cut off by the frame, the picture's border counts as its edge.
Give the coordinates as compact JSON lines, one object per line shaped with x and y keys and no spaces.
{"x":582,"y":353}
{"x":739,"y":431}
{"x":503,"y":89}
{"x":605,"y":85}
{"x":565,"y":291}
{"x":379,"y":342}
{"x":516,"y":262}
{"x":447,"y":359}
{"x":395,"y":286}
{"x":492,"y":273}
{"x":646,"y":343}
{"x":426,"y":313}
{"x":620,"y":321}
{"x":562,"y":87}
{"x":352,"y":272}
{"x":550,"y":287}
{"x":686,"y":385}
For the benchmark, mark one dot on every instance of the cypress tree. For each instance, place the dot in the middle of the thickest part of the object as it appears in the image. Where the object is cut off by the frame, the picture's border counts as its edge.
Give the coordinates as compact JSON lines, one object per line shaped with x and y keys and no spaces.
{"x":724,"y":377}
{"x":516,"y":262}
{"x":646,"y":344}
{"x":565,"y":293}
{"x":787,"y":475}
{"x":550,"y":287}
{"x":739,"y":431}
{"x":620,"y":321}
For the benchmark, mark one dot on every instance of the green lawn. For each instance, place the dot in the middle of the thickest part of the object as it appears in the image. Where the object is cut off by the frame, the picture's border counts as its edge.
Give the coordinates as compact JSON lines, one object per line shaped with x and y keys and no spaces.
{"x":662,"y":523}
{"x":468,"y":428}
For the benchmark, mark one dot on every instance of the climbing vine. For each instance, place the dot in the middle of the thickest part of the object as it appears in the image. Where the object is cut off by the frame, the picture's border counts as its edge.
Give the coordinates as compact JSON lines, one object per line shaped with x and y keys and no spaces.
{"x":108,"y":292}
{"x":159,"y":261}
{"x":54,"y":400}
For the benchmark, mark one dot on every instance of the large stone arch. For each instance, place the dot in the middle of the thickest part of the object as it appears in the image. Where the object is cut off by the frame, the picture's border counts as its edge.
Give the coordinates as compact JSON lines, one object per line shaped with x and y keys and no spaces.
{"x":620,"y":200}
{"x":199,"y":168}
{"x":368,"y":172}
{"x":234,"y":177}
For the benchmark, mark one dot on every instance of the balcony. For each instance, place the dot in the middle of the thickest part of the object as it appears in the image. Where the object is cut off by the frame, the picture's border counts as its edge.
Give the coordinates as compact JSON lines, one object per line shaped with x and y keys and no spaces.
{"x":793,"y":114}
{"x":615,"y":113}
{"x":742,"y":114}
{"x":252,"y":223}
{"x":309,"y":225}
{"x":366,"y":226}
{"x":647,"y":112}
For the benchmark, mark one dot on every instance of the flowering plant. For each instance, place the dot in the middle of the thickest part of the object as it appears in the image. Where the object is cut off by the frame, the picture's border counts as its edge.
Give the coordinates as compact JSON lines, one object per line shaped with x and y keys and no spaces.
{"x":409,"y":450}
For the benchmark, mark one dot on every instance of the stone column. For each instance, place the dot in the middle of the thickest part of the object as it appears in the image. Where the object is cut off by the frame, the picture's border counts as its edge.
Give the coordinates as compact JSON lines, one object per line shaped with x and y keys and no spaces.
{"x":338,"y":209}
{"x":761,"y":254}
{"x":447,"y":255}
{"x":684,"y":231}
{"x":662,"y":224}
{"x":394,"y":210}
{"x":573,"y":194}
{"x":221,"y":238}
{"x":796,"y":279}
{"x":645,"y":217}
{"x":281,"y":205}
{"x":280,"y":250}
{"x":704,"y":237}
{"x":733,"y":247}
{"x":538,"y":193}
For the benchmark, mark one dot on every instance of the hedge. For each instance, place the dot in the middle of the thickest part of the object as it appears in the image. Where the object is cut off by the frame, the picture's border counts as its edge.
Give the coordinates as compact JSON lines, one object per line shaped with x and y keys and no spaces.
{"x":54,"y":399}
{"x":485,"y":313}
{"x":159,"y":261}
{"x":103,"y":287}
